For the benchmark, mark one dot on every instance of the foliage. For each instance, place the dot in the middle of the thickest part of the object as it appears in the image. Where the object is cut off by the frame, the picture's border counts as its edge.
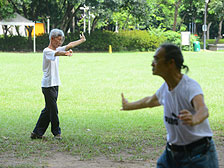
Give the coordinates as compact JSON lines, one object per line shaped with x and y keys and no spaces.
{"x":135,"y":40}
{"x":173,"y":37}
{"x":14,"y":43}
{"x":139,"y":40}
{"x":216,"y":7}
{"x":212,"y":41}
{"x":128,"y":14}
{"x":6,"y":10}
{"x":42,"y":41}
{"x":98,"y":41}
{"x":160,"y":14}
{"x":218,"y":10}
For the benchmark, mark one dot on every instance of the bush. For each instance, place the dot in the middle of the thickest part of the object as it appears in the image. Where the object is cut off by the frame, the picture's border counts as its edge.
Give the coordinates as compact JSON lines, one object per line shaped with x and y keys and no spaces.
{"x":20,"y":43}
{"x":157,"y":37}
{"x":98,"y":41}
{"x":15,"y":43}
{"x":212,"y":41}
{"x":42,"y":42}
{"x":135,"y":40}
{"x":175,"y":38}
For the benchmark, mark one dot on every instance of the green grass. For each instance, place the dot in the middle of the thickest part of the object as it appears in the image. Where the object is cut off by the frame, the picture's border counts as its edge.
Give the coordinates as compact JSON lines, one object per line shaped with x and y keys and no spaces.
{"x":89,"y":103}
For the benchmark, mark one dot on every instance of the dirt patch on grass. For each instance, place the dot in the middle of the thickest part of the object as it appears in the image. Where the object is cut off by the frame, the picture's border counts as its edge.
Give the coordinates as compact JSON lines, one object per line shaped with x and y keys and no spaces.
{"x":99,"y":162}
{"x":55,"y":159}
{"x":65,"y":160}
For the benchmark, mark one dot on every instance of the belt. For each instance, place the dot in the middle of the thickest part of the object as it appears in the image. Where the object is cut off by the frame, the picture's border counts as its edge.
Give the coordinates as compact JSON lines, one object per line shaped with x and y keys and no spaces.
{"x":189,"y":147}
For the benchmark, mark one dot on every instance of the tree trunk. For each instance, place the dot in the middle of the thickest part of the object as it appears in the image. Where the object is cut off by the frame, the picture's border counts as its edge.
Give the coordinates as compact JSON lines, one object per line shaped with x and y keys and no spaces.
{"x":177,"y":5}
{"x":95,"y":20}
{"x":195,"y":28}
{"x":126,"y":22}
{"x":182,"y":20}
{"x":77,"y":27}
{"x":209,"y":25}
{"x":17,"y":30}
{"x":67,"y":19}
{"x":5,"y":29}
{"x":220,"y":31}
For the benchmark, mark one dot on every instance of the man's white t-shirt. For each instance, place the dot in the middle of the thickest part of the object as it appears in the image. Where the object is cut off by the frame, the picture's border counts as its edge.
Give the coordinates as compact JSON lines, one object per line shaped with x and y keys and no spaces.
{"x":50,"y":67}
{"x":176,"y":100}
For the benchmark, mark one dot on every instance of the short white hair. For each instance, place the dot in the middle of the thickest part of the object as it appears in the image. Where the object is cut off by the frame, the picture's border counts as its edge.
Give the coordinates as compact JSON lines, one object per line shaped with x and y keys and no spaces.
{"x":55,"y":33}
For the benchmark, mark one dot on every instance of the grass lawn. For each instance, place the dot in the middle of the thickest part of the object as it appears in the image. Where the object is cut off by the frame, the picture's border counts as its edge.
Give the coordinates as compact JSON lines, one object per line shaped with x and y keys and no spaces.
{"x":89,"y":104}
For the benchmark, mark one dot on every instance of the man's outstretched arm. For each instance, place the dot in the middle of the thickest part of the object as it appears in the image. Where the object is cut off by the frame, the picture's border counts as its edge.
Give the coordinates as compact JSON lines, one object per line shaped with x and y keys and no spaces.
{"x":76,"y":43}
{"x":150,"y":101}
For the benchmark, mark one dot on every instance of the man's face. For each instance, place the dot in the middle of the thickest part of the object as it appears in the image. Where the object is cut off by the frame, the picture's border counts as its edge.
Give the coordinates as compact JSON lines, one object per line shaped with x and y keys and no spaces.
{"x":57,"y":41}
{"x":159,"y":66}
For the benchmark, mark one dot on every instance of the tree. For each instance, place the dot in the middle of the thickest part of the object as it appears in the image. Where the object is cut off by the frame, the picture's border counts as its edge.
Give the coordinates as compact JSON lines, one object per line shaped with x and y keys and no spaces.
{"x":131,"y":14}
{"x":29,"y":9}
{"x":177,"y":5}
{"x":192,"y":15}
{"x":217,"y":7}
{"x":162,"y":14}
{"x":6,"y":11}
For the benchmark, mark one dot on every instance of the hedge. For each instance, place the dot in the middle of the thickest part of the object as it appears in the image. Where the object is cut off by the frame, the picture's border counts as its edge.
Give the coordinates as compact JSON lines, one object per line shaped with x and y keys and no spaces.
{"x":135,"y":40}
{"x":212,"y":41}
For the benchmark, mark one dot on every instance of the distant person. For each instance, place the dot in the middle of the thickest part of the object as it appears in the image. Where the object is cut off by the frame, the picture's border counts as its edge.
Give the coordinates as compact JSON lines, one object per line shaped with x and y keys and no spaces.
{"x":189,"y":137}
{"x":51,"y":81}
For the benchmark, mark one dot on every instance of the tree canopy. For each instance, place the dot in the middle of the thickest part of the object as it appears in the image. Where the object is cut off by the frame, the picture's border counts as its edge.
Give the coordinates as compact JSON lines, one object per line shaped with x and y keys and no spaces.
{"x":176,"y":15}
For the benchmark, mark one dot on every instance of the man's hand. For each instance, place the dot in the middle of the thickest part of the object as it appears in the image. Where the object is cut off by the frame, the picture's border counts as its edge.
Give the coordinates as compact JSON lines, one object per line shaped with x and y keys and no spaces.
{"x":200,"y":109}
{"x":69,"y":53}
{"x":124,"y":102}
{"x":187,"y":118}
{"x":82,"y":37}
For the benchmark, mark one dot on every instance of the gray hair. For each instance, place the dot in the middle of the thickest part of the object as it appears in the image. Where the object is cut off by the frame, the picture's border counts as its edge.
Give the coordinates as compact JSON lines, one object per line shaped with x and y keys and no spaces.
{"x":56,"y":33}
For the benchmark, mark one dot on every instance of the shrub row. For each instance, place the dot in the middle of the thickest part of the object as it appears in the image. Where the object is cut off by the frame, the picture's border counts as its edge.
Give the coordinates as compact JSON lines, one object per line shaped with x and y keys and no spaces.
{"x":135,"y":40}
{"x":212,"y":41}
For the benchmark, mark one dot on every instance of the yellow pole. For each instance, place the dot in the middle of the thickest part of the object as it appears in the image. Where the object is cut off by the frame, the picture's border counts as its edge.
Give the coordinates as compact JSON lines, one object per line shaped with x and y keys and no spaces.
{"x":110,"y":49}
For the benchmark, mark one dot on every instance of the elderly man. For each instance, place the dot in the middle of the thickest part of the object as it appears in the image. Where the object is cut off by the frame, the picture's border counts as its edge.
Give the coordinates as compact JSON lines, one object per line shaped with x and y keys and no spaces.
{"x":189,"y":137}
{"x":51,"y":82}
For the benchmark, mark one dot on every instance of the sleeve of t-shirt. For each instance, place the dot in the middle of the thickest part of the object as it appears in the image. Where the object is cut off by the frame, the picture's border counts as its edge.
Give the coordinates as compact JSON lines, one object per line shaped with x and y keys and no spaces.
{"x":159,"y":94}
{"x":194,"y":90}
{"x":61,"y":48}
{"x":49,"y":54}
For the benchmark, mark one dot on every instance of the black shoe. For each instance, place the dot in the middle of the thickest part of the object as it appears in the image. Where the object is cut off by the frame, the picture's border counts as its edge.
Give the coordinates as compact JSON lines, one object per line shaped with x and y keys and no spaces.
{"x":36,"y":136}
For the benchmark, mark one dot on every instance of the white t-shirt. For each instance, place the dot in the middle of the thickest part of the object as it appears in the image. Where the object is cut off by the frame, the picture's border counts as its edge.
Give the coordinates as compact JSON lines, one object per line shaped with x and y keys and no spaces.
{"x":176,"y":100}
{"x":50,"y":67}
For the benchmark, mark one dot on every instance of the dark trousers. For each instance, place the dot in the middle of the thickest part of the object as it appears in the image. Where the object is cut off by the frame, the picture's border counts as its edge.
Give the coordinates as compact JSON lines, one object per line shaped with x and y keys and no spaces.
{"x":50,"y":113}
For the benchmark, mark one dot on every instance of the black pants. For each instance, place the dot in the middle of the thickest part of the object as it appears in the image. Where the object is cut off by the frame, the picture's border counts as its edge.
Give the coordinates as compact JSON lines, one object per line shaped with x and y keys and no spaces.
{"x":50,"y":113}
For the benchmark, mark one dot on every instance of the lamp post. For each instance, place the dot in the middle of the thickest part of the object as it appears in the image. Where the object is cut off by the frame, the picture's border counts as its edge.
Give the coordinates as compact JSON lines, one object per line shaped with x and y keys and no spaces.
{"x":90,"y":16}
{"x":85,"y":8}
{"x":48,"y":24}
{"x":204,"y":27}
